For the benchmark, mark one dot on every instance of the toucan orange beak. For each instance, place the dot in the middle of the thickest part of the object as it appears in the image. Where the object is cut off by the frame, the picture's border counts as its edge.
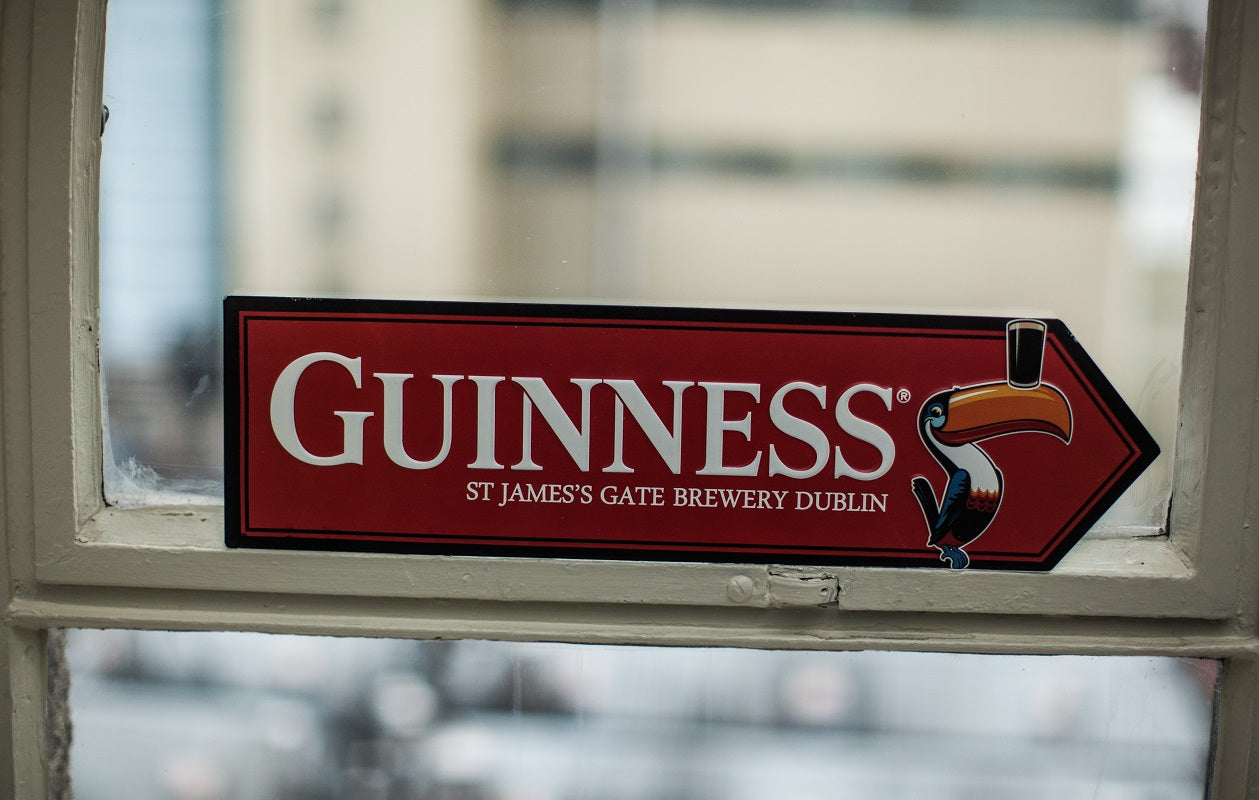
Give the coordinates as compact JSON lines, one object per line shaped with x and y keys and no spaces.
{"x":992,"y":409}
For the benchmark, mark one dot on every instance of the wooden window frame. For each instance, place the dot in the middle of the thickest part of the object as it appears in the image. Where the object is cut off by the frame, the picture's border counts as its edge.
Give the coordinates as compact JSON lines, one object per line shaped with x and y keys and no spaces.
{"x":69,"y":560}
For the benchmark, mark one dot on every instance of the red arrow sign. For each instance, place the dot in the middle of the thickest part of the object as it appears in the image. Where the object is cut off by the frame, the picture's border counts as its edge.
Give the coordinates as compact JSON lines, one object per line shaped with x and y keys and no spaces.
{"x":667,"y":434}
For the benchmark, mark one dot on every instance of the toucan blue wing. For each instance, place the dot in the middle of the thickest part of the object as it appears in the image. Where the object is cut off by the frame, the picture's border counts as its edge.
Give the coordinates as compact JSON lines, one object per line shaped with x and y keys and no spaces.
{"x":951,"y":504}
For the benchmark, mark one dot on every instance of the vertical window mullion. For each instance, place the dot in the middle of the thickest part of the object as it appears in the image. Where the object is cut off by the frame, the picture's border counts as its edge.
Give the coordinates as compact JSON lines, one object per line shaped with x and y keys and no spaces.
{"x":1234,"y":769}
{"x":23,"y":729}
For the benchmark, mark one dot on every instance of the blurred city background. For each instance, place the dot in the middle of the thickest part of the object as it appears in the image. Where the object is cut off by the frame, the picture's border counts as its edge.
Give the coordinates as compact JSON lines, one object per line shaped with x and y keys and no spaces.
{"x":958,"y":156}
{"x":197,"y":716}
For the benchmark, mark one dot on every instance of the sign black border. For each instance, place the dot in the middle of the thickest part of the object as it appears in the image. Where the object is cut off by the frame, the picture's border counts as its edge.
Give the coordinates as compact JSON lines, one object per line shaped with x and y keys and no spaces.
{"x":1144,"y":449}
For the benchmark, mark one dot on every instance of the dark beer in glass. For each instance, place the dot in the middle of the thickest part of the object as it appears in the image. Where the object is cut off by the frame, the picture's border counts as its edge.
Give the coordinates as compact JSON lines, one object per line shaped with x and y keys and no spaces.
{"x":1025,"y":348}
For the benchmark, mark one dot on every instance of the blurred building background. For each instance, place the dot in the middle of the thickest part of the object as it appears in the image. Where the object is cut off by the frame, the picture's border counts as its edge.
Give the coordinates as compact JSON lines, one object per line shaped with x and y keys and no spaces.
{"x":194,"y":716}
{"x":967,"y":156}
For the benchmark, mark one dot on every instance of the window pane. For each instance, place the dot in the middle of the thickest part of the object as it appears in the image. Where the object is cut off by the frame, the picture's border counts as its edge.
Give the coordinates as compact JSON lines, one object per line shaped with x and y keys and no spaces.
{"x":981,"y":156}
{"x":209,"y":716}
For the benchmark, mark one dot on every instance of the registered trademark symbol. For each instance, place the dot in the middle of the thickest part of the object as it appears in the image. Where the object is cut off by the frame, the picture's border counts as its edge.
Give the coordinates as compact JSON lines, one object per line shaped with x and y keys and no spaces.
{"x":903,"y":396}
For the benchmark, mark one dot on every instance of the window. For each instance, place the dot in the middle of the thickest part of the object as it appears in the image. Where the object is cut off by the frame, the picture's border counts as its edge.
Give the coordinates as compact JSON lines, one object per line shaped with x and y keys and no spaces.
{"x":667,"y":153}
{"x":73,"y":561}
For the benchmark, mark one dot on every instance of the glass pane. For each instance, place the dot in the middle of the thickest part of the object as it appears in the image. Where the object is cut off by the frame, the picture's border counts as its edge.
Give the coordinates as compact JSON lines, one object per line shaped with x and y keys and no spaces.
{"x":1034,"y":157}
{"x":213,"y":716}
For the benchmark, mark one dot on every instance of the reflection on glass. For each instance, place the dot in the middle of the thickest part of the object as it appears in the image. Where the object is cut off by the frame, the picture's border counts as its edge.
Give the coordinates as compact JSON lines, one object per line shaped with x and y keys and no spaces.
{"x":1033,"y":159}
{"x":215,"y":716}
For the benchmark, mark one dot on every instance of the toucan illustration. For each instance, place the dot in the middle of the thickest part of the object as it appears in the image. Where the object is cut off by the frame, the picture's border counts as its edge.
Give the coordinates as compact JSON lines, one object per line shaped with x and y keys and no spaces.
{"x":954,"y":421}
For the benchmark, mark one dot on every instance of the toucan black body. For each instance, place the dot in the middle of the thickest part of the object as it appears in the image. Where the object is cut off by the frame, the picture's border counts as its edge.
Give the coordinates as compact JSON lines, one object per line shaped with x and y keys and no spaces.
{"x":951,"y":423}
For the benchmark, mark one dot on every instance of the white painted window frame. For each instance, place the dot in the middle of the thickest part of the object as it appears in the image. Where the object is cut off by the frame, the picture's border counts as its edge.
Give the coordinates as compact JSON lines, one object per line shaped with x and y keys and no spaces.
{"x":68,"y":560}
